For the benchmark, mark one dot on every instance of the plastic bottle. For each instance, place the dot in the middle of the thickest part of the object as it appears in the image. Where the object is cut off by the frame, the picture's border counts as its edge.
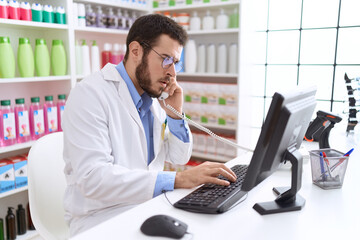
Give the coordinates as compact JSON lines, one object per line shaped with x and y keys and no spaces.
{"x":195,"y":22}
{"x":112,"y":21}
{"x":25,"y":11}
{"x":51,"y":120}
{"x":60,"y":15}
{"x":37,"y":124}
{"x":81,"y":15}
{"x":2,"y":233}
{"x":222,"y":20}
{"x":42,"y":58}
{"x":10,"y":224}
{"x":211,"y":59}
{"x":115,"y":54}
{"x":14,"y":10}
{"x":95,"y":57}
{"x":122,"y":51}
{"x":120,"y":19}
{"x":25,"y":58}
{"x":128,"y":20}
{"x":48,"y":14}
{"x":221,"y":58}
{"x":90,"y":16}
{"x":85,"y":55}
{"x":106,"y":54}
{"x":22,"y":121}
{"x":58,"y":58}
{"x":21,"y":220}
{"x":208,"y":21}
{"x":7,"y":124}
{"x":201,"y":60}
{"x":234,"y":19}
{"x":37,"y":12}
{"x":30,"y":223}
{"x":4,"y":13}
{"x":60,"y":109}
{"x":78,"y":58}
{"x":7,"y":59}
{"x":190,"y":56}
{"x":101,"y":18}
{"x":233,"y":62}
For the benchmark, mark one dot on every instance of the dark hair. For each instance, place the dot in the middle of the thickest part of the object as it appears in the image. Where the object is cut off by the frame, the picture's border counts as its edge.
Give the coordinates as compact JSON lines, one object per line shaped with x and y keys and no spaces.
{"x":148,"y":28}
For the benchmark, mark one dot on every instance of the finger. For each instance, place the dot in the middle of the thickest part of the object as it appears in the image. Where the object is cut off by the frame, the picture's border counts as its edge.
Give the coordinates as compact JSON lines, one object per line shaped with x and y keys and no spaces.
{"x":217,"y":181}
{"x":224,"y":171}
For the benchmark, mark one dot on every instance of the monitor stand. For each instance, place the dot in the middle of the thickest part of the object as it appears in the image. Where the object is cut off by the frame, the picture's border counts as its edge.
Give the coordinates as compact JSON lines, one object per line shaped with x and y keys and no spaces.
{"x":288,"y":199}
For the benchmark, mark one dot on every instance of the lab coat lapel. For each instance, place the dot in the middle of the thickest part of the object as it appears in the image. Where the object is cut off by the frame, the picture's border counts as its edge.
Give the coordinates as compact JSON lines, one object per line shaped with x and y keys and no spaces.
{"x":156,"y":131}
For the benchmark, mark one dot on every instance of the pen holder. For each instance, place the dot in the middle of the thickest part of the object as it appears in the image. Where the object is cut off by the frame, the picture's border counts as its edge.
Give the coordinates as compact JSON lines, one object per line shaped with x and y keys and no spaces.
{"x":328,"y":170}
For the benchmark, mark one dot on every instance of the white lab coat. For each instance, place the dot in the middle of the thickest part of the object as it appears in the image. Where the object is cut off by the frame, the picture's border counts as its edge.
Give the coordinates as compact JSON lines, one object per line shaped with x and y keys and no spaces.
{"x":105,"y":150}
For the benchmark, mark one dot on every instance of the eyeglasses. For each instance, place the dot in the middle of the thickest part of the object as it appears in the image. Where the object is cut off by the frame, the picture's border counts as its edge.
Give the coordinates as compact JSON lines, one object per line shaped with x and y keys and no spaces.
{"x":167,"y":61}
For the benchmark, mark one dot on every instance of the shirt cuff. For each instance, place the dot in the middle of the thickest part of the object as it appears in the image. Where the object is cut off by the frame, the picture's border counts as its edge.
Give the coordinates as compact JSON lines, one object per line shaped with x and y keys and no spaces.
{"x":165,"y":181}
{"x":179,"y":128}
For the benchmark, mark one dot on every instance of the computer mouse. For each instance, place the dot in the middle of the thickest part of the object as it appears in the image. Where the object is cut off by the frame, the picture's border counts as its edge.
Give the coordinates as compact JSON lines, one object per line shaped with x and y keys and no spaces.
{"x":164,"y":226}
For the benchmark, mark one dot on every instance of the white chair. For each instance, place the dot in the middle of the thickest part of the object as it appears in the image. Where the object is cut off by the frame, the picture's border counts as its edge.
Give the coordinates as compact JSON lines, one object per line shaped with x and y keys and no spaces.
{"x":47,"y":185}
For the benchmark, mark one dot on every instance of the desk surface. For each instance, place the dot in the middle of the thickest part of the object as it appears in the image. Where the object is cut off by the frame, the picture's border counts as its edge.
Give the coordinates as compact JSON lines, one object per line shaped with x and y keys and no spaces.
{"x":328,"y":214}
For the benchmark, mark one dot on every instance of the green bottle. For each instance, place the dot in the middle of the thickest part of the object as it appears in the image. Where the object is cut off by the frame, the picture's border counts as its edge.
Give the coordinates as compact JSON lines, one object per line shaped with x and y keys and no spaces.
{"x":7,"y":59}
{"x":25,"y":58}
{"x":58,"y":58}
{"x":42,"y":58}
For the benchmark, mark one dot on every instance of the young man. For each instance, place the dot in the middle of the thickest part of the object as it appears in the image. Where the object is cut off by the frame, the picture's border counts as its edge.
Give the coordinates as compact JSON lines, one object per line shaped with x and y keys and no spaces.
{"x":117,"y":135}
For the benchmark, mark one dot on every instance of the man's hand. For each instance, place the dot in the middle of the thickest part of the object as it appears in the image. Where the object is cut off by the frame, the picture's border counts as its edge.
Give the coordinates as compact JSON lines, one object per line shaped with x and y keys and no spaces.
{"x":175,"y":98}
{"x":207,"y":172}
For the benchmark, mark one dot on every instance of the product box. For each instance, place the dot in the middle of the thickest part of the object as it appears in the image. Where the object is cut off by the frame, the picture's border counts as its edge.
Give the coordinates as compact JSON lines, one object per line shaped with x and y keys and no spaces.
{"x":7,"y":176}
{"x":20,"y":170}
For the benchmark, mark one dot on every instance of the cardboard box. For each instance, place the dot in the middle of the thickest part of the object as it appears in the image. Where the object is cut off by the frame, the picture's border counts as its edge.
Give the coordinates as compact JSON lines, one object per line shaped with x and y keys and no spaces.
{"x":7,"y":176}
{"x":20,"y":170}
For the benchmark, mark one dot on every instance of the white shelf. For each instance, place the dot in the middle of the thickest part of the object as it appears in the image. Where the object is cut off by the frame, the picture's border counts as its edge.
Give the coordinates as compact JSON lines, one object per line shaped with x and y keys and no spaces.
{"x":28,"y":235}
{"x":101,"y":30}
{"x":212,"y":75}
{"x":215,"y":31}
{"x":196,"y":6}
{"x":35,"y":79}
{"x":16,"y":147}
{"x":30,"y":24}
{"x":129,"y":6}
{"x":12,"y":192}
{"x":211,"y":157}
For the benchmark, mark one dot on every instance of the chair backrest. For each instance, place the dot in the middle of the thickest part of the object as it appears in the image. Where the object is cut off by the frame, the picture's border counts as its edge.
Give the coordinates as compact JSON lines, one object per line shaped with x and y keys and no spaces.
{"x":47,"y":185}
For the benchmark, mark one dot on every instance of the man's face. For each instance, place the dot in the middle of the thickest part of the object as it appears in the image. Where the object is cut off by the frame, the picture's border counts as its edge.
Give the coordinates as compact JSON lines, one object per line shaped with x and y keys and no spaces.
{"x":150,"y":75}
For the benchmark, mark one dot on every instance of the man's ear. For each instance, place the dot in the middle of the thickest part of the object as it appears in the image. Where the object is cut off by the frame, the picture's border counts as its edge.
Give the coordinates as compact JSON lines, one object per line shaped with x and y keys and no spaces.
{"x":135,"y":51}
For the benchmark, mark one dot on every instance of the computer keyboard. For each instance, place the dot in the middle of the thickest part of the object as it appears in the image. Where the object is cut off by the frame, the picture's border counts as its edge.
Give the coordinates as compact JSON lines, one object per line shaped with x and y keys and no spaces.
{"x":212,"y":198}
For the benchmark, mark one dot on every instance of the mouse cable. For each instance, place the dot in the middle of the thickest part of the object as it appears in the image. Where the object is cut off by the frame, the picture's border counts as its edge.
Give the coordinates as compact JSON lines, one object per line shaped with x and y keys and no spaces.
{"x":164,"y":192}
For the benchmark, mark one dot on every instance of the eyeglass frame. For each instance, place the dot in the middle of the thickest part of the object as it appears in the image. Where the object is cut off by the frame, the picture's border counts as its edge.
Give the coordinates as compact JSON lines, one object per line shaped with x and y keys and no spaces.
{"x":163,"y":65}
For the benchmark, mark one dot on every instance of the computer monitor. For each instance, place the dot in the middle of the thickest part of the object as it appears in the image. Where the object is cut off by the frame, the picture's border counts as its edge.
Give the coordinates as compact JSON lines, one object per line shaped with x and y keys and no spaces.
{"x":281,"y":136}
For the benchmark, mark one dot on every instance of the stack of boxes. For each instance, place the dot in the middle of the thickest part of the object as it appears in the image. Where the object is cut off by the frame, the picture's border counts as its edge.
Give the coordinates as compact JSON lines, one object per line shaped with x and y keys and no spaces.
{"x":13,"y":173}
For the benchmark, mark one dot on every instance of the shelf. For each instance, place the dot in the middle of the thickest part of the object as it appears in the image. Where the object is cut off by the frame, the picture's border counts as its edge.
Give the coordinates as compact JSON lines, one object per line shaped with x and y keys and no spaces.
{"x":214,"y":31}
{"x":30,"y":24}
{"x":35,"y":79}
{"x":212,"y":157}
{"x":214,"y":5}
{"x":28,"y":235}
{"x":212,"y":75}
{"x":124,"y":5}
{"x":101,"y":30}
{"x":12,"y":192}
{"x":16,"y":147}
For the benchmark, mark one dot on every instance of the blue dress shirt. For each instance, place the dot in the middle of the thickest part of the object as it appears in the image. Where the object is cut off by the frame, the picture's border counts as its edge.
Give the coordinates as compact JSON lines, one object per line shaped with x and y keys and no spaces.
{"x":165,"y":180}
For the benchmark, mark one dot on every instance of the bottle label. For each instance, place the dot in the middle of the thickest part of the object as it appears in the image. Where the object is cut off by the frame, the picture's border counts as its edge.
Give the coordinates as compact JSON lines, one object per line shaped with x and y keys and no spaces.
{"x":9,"y":126}
{"x":23,"y":127}
{"x":62,"y":108}
{"x":52,"y":118}
{"x":39,"y":121}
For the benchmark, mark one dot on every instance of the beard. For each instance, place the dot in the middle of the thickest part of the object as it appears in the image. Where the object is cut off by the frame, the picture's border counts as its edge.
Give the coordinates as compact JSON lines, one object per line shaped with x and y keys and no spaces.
{"x":143,"y":76}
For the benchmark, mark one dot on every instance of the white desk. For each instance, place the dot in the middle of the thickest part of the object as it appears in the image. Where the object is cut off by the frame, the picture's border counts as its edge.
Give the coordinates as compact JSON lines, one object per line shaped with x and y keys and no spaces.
{"x":328,"y":214}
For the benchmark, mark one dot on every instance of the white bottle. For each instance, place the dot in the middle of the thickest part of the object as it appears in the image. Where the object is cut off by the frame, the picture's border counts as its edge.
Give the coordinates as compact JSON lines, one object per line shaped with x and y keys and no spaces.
{"x":195,"y":22}
{"x":85,"y":54}
{"x":208,"y":21}
{"x":201,"y":63}
{"x":222,"y":20}
{"x":221,"y":58}
{"x":75,"y":12}
{"x":190,"y":56}
{"x":95,"y":57}
{"x":81,"y":15}
{"x":211,"y":58}
{"x":79,"y":63}
{"x":233,"y":58}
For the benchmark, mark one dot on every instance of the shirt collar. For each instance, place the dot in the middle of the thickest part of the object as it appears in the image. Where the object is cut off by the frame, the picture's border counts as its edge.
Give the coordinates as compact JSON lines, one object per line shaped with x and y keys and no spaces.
{"x":142,"y":102}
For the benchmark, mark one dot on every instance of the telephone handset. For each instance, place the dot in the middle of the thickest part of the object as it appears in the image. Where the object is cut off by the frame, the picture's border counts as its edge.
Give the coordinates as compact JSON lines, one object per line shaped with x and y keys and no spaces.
{"x":165,"y":95}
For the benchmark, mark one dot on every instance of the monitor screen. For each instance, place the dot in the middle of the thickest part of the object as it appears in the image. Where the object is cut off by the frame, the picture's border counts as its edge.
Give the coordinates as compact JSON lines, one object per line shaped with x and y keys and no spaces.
{"x":281,"y":136}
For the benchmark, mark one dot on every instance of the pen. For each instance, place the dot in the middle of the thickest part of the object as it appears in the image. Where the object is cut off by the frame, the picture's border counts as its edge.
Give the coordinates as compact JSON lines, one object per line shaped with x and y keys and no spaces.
{"x":327,"y":163}
{"x":342,"y":159}
{"x":322,"y":166}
